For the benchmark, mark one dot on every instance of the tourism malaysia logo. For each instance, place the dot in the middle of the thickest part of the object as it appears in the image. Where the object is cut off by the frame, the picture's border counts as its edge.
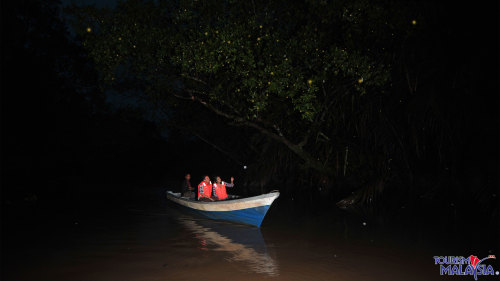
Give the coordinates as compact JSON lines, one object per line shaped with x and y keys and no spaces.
{"x":472,"y":265}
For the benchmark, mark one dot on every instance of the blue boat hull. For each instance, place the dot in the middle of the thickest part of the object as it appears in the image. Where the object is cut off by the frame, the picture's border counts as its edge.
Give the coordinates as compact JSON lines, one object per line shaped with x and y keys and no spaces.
{"x":250,"y":216}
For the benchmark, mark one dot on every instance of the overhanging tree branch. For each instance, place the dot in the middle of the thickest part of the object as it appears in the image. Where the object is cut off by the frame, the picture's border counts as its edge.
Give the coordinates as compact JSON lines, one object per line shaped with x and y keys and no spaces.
{"x":296,"y":148}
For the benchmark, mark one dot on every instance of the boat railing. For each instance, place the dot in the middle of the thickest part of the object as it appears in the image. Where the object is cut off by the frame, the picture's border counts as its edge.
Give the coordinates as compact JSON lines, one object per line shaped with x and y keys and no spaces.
{"x":229,"y":198}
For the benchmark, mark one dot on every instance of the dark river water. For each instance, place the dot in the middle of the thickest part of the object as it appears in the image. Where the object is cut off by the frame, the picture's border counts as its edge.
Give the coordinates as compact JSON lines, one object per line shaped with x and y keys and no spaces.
{"x":153,"y":240}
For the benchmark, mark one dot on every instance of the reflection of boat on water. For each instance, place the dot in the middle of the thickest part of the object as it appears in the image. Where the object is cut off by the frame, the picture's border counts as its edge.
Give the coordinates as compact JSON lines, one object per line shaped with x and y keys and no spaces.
{"x":245,"y":244}
{"x":251,"y":210}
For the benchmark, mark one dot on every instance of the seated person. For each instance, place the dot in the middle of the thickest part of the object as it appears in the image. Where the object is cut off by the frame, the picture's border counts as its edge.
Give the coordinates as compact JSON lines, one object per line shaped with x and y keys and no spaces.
{"x":187,"y":189}
{"x":205,"y":190}
{"x":219,"y":188}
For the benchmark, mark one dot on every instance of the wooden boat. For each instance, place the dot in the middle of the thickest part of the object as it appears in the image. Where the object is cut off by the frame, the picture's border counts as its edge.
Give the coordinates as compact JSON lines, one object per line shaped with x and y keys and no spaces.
{"x":251,"y":210}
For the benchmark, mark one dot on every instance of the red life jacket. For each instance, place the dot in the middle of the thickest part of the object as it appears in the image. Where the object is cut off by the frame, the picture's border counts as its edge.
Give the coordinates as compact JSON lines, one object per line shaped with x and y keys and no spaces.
{"x":220,"y":190}
{"x":207,"y":189}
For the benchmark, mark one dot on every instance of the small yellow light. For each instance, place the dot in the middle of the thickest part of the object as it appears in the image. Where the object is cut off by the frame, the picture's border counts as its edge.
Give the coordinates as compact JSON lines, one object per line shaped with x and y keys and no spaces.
{"x":272,"y":73}
{"x":134,"y":46}
{"x":229,"y":42}
{"x":360,"y":80}
{"x":309,"y":81}
{"x":414,"y":22}
{"x":206,"y":33}
{"x":260,"y":26}
{"x":258,"y":38}
{"x":119,"y":39}
{"x":89,"y":29}
{"x":268,"y":82}
{"x":217,"y":31}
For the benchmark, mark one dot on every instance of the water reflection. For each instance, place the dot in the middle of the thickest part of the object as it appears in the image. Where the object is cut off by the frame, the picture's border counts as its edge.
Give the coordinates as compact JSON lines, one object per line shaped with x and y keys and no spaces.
{"x":243,"y":244}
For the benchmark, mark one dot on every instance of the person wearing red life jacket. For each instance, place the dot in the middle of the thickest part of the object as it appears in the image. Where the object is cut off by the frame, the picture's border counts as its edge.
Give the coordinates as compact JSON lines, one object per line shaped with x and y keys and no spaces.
{"x":219,"y":188}
{"x":205,"y":190}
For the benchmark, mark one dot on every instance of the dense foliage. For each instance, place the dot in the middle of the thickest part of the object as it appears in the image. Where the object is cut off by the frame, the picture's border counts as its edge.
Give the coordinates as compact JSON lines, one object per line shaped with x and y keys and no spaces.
{"x":286,"y":72}
{"x":350,"y":90}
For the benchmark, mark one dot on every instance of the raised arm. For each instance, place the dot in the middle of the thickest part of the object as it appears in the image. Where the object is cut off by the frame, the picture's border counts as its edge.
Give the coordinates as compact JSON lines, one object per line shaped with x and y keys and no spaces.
{"x":230,"y":184}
